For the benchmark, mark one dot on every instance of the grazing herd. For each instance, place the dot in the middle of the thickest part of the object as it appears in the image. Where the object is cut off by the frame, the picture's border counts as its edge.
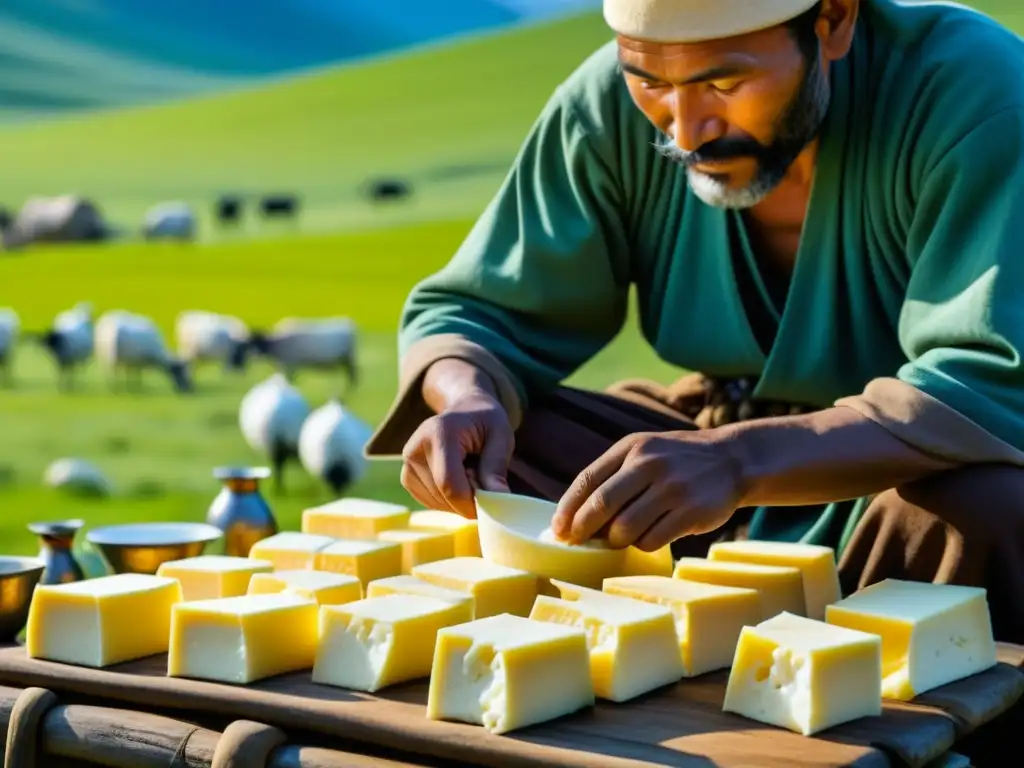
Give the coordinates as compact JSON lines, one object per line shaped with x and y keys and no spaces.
{"x":276,"y":420}
{"x":125,"y":344}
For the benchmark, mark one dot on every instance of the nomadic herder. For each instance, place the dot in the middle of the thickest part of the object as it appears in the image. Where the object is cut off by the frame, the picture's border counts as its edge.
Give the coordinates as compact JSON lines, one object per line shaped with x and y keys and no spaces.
{"x":821,"y":207}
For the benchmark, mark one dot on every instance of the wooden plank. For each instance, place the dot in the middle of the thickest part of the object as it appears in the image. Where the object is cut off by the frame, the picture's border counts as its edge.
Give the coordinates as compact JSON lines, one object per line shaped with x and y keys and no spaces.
{"x":679,"y":725}
{"x":1011,"y":654}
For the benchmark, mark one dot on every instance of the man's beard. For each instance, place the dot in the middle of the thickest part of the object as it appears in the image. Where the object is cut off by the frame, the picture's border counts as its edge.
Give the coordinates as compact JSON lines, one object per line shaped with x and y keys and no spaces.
{"x":797,"y":127}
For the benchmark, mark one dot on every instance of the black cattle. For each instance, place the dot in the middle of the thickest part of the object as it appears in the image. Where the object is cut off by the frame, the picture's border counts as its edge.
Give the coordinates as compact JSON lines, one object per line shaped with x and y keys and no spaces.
{"x":279,"y":206}
{"x":229,"y":209}
{"x":388,"y":189}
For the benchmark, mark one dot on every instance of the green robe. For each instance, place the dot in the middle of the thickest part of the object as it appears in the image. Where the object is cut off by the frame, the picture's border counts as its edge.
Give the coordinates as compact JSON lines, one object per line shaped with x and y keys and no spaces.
{"x":911,"y":262}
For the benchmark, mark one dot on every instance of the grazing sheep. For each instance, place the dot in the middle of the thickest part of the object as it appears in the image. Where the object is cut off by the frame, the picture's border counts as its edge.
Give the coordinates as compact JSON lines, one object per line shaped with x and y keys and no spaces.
{"x":10,"y":325}
{"x":70,"y":340}
{"x":63,"y":219}
{"x":324,"y":344}
{"x":388,"y":189}
{"x":271,"y":417}
{"x":130,"y":342}
{"x":331,"y":446}
{"x":206,"y":336}
{"x":284,"y":206}
{"x":170,"y":221}
{"x":228,"y":209}
{"x":77,"y":476}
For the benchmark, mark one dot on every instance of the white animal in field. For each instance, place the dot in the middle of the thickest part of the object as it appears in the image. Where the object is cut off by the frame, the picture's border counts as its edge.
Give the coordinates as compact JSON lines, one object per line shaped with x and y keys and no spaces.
{"x":331,"y":446}
{"x":209,"y":337}
{"x":170,"y":220}
{"x":133,"y":343}
{"x":70,"y":340}
{"x":77,"y":475}
{"x":271,"y":417}
{"x":10,"y":327}
{"x":324,"y":343}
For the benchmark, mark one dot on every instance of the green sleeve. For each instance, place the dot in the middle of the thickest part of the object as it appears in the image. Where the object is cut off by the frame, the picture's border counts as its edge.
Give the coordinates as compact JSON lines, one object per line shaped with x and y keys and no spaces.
{"x":962,"y":323}
{"x":542,"y":280}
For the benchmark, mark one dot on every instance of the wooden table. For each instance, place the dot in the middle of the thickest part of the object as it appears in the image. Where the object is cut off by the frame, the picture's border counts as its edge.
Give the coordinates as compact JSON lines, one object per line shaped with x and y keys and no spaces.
{"x":681,"y":725}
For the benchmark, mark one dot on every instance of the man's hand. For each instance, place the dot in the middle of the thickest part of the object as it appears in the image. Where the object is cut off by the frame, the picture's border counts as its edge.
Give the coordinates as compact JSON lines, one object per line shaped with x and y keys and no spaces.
{"x":434,"y":469}
{"x":650,"y":489}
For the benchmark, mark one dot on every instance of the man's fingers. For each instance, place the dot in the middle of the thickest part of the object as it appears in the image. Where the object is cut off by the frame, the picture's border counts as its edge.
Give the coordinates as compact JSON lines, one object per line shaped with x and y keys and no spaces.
{"x":414,"y":480}
{"x":582,"y":488}
{"x":605,"y":503}
{"x":662,"y":533}
{"x":492,"y":468}
{"x":636,"y":517}
{"x":445,"y":459}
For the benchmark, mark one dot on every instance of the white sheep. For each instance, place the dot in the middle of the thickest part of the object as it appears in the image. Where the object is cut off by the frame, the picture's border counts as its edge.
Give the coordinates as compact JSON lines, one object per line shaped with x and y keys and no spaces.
{"x":171,"y":221}
{"x":331,"y":446}
{"x":207,"y":336}
{"x":70,"y":339}
{"x":77,"y":476}
{"x":10,"y":326}
{"x":271,"y":416}
{"x":132,"y":343}
{"x":323,"y":344}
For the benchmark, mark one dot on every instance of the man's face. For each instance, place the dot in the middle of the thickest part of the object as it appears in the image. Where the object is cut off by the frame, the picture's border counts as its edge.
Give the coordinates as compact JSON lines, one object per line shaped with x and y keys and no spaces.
{"x":735,"y":112}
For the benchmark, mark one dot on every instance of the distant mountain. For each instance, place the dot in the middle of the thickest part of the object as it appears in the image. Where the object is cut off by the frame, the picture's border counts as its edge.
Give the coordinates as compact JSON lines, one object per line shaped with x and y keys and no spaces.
{"x":63,"y":55}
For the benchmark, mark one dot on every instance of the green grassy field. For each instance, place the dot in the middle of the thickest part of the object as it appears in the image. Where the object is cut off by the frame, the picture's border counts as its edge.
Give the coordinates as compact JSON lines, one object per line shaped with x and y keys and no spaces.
{"x":160,"y":448}
{"x":420,"y":116}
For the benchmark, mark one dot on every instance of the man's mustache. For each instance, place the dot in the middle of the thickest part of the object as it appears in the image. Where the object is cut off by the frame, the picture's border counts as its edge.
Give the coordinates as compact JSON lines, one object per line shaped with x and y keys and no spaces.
{"x":719,"y":149}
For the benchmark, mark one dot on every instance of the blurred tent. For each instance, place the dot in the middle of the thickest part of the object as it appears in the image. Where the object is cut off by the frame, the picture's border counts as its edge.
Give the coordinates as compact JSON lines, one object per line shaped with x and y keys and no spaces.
{"x":63,"y":219}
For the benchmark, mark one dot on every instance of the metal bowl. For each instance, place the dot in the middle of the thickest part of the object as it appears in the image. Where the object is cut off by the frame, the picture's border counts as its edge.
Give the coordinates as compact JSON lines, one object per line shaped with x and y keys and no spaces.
{"x":18,"y":579}
{"x":144,"y":547}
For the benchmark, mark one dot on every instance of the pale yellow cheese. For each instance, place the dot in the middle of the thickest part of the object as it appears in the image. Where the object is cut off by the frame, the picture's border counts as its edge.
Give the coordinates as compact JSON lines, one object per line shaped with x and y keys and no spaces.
{"x":326,"y":588}
{"x":464,"y":530}
{"x":781,"y":588}
{"x":817,"y":566}
{"x":102,"y":621}
{"x":495,"y":588}
{"x":371,"y":644}
{"x":708,"y":617}
{"x":420,"y":546}
{"x":289,"y":550}
{"x":640,"y":563}
{"x":505,"y":672}
{"x":633,"y":644}
{"x":805,"y":675}
{"x":207,"y":577}
{"x":932,"y":634}
{"x":366,"y":560}
{"x":243,"y":639}
{"x":354,"y":518}
{"x":411,"y":585}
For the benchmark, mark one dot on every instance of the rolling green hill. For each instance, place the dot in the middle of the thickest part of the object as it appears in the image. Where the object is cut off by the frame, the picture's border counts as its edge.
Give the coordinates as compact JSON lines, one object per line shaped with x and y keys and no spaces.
{"x":449,"y":120}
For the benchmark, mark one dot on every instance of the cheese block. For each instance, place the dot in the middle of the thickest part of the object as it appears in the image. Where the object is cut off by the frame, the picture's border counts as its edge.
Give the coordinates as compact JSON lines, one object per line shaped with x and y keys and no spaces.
{"x":371,"y":644}
{"x":207,"y":577}
{"x":633,"y":645}
{"x":288,"y":550}
{"x":516,"y":531}
{"x":781,"y":587}
{"x":243,"y":639}
{"x":102,"y":621}
{"x":420,"y":546}
{"x":462,"y":529}
{"x":805,"y":675}
{"x":506,"y":672}
{"x":932,"y":634}
{"x":708,"y":617}
{"x":411,"y":585}
{"x":354,"y":518}
{"x":495,"y":588}
{"x":325,"y":588}
{"x":366,"y":560}
{"x":817,"y":567}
